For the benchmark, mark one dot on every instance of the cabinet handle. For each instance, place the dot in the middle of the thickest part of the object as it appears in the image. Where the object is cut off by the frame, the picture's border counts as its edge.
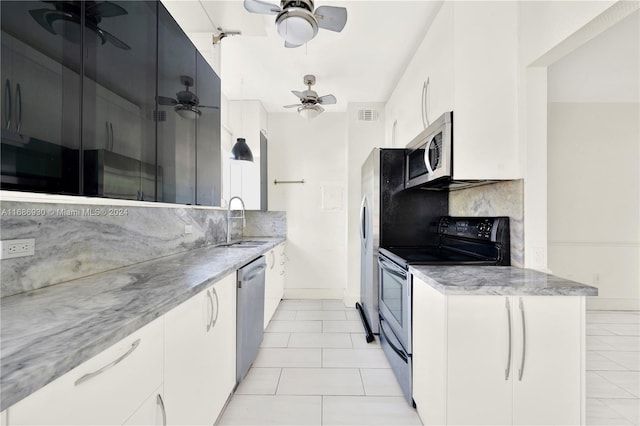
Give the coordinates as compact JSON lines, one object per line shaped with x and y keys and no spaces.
{"x":524,"y":342}
{"x":112,"y":138}
{"x":108,"y":145}
{"x":425,"y":98}
{"x":214,"y":319}
{"x":7,"y":104}
{"x":160,"y":402}
{"x":18,"y":108}
{"x":508,"y":307}
{"x":273,"y":259}
{"x":90,"y":376}
{"x":210,"y":303}
{"x":394,"y":132}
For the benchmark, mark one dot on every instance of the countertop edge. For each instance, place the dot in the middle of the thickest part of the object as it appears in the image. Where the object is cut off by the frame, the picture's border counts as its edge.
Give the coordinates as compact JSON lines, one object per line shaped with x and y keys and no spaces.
{"x":571,"y":288}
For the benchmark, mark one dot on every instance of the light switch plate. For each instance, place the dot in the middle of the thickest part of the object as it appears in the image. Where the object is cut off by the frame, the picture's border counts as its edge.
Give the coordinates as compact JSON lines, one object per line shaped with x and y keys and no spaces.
{"x":17,"y":248}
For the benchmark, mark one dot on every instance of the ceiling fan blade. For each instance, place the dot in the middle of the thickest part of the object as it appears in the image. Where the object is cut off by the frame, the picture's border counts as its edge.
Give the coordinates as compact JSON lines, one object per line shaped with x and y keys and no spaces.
{"x":106,"y":9}
{"x":208,"y":106}
{"x":41,"y":17}
{"x":292,"y":106}
{"x":298,"y":94}
{"x":258,"y":6}
{"x":331,"y":18}
{"x":327,"y":100}
{"x":113,"y":39}
{"x":163,"y":100}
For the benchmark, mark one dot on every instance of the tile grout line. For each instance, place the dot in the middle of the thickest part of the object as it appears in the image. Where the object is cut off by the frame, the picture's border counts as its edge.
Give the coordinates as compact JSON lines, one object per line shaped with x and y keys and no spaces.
{"x":278,"y":384}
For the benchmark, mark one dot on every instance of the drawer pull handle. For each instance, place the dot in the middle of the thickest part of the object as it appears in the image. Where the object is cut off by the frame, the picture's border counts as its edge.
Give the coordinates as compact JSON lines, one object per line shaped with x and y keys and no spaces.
{"x":214,"y":312}
{"x":90,"y":376}
{"x":160,"y":402}
{"x":508,"y":369}
{"x":524,"y":342}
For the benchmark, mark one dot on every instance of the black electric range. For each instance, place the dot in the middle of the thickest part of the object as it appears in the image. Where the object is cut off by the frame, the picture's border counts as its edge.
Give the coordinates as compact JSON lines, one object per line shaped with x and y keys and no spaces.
{"x":461,"y":241}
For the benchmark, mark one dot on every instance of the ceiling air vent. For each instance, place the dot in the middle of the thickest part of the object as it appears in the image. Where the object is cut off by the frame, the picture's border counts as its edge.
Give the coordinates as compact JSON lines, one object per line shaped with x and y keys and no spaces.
{"x":367,"y":114}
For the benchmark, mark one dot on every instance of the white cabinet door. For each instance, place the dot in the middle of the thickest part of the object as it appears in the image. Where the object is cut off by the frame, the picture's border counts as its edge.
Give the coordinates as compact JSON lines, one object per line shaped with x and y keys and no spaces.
{"x":271,"y":287}
{"x":200,"y":355}
{"x":274,"y":281}
{"x":105,"y":390}
{"x":150,"y":413}
{"x":429,"y":353}
{"x":550,"y":390}
{"x":479,"y":390}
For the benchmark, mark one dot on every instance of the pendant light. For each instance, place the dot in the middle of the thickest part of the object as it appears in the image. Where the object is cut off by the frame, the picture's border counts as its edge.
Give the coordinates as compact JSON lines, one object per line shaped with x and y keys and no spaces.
{"x":241,"y":150}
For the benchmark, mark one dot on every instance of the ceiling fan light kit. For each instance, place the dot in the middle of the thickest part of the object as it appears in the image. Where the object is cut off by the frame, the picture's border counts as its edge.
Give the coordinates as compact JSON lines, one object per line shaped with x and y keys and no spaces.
{"x":310,"y":111}
{"x":298,"y":21}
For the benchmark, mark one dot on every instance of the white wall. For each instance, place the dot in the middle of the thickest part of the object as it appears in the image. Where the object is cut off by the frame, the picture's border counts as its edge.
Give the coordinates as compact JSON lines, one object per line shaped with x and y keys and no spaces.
{"x":594,"y":199}
{"x":548,"y":30}
{"x":363,"y":136}
{"x":593,"y":165}
{"x":316,"y":151}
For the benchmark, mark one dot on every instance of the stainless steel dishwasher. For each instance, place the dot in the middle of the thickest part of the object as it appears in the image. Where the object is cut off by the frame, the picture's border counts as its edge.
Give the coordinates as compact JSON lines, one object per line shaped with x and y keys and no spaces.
{"x":250,"y":315}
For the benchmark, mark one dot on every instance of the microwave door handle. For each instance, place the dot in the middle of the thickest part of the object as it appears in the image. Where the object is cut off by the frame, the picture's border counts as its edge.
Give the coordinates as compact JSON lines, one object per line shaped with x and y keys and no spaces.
{"x":426,"y":156}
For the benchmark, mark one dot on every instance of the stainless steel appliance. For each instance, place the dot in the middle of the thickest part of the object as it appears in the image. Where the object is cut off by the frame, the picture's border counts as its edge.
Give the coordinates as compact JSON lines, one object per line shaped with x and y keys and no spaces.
{"x":249,"y":315}
{"x":429,"y":155}
{"x":390,"y":216}
{"x":460,"y":241}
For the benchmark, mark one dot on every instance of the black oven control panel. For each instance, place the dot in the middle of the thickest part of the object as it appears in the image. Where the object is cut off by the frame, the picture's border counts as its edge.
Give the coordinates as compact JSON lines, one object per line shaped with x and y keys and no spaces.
{"x":474,"y":228}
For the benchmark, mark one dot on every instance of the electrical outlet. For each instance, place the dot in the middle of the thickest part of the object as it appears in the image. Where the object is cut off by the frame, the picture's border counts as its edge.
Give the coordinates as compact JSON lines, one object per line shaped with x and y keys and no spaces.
{"x":17,"y":248}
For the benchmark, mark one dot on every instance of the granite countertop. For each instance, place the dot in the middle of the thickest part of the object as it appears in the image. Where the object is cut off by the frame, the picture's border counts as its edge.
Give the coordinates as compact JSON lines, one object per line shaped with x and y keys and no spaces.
{"x":47,"y":332}
{"x":498,"y":280}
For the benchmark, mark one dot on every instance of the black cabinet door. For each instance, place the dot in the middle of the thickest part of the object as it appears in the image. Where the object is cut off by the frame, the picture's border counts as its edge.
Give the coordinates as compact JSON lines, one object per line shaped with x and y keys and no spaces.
{"x":176,"y":125}
{"x":208,"y":164}
{"x":119,"y":92}
{"x":40,"y":107}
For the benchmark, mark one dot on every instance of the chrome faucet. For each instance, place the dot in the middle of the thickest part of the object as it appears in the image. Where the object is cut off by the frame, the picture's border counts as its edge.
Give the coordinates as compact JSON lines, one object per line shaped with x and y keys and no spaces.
{"x":229,"y":217}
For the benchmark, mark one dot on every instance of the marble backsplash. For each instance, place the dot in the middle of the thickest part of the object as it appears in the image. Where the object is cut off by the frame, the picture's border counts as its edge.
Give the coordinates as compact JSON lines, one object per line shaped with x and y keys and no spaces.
{"x":496,"y":199}
{"x":78,"y":240}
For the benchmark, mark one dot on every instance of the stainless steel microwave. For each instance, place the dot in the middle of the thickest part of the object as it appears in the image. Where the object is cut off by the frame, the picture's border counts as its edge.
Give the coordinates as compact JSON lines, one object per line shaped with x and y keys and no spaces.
{"x":429,"y":156}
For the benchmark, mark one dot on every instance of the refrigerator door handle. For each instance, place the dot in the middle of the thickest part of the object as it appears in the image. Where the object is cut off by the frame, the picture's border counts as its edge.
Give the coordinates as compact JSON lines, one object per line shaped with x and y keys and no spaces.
{"x":363,"y":220}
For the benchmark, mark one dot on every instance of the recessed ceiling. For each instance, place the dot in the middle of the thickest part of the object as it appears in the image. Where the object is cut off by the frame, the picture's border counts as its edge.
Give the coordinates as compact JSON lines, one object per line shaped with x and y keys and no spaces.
{"x":360,"y":64}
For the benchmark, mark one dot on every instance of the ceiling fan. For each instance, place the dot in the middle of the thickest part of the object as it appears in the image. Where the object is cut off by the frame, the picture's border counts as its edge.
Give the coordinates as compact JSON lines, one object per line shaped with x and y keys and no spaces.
{"x":186,"y":103}
{"x":71,"y":11}
{"x":297,"y":21}
{"x":309,"y":106}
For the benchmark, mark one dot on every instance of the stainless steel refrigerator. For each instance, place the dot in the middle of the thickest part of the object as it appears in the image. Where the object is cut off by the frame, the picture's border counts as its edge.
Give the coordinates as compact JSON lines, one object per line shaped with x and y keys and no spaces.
{"x":391,"y":216}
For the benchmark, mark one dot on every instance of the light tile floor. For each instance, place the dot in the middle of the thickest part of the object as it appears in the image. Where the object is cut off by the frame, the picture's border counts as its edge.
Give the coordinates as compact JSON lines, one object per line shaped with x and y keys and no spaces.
{"x":613,"y":368}
{"x":315,"y":368}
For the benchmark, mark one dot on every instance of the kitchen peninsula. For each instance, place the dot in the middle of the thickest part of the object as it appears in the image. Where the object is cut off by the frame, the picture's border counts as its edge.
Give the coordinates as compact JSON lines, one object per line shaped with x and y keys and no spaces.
{"x":498,"y":345}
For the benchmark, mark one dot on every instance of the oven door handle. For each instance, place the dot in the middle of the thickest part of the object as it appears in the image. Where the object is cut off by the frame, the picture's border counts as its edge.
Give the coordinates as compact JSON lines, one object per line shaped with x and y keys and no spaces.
{"x":391,"y":268}
{"x":398,"y":352}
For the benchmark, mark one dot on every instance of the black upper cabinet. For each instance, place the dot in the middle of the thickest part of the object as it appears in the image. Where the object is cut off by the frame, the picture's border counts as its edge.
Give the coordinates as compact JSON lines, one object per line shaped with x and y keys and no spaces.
{"x":119,"y":92}
{"x":136,"y":116}
{"x":176,"y":126}
{"x":208,"y":164}
{"x":40,"y":107}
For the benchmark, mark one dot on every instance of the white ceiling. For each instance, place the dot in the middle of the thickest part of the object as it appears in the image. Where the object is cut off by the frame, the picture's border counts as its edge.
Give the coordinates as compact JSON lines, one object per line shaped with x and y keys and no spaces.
{"x":360,"y":64}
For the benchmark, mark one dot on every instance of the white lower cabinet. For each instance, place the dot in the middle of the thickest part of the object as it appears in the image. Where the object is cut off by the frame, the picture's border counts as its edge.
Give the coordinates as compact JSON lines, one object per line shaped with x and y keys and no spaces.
{"x":151,"y":412}
{"x":497,"y":359}
{"x":106,"y":390}
{"x":274,"y":281}
{"x":200,"y":344}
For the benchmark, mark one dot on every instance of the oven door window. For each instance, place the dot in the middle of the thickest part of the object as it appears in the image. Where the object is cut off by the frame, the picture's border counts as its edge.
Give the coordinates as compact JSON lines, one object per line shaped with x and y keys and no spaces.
{"x":391,"y":289}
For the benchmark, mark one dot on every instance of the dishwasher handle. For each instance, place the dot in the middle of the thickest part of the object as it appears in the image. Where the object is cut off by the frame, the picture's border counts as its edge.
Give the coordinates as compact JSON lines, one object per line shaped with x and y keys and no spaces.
{"x":253,"y":273}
